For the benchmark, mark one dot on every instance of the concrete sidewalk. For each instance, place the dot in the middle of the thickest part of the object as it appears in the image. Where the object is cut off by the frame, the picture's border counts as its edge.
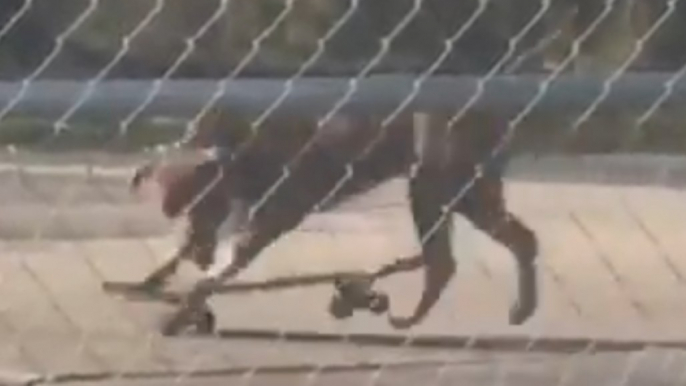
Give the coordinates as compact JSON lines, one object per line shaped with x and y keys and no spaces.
{"x":604,"y":277}
{"x":639,"y":369}
{"x":611,"y":259}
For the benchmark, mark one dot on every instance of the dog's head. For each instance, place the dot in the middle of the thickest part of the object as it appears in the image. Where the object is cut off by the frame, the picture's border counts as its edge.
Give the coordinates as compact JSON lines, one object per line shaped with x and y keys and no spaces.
{"x":179,"y":185}
{"x":218,"y":127}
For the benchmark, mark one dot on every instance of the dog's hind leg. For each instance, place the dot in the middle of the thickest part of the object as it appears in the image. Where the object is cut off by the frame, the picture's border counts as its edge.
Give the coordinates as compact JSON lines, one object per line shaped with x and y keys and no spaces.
{"x":429,"y":193}
{"x":485,"y":209}
{"x":426,"y":203}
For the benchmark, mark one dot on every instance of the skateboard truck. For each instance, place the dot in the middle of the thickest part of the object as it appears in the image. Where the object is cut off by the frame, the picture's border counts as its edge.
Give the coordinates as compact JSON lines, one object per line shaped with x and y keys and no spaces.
{"x":353,"y":293}
{"x":200,"y":322}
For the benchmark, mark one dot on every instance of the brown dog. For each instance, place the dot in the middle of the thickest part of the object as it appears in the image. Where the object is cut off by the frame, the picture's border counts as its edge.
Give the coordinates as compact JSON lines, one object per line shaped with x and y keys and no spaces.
{"x":262,"y":184}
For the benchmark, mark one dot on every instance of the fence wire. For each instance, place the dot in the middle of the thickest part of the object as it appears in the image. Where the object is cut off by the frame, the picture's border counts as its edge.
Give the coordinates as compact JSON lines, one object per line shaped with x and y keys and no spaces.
{"x":305,"y":103}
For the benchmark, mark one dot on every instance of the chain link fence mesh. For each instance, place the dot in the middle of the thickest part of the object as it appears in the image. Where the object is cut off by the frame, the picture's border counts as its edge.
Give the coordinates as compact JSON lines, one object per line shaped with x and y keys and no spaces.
{"x":584,"y":97}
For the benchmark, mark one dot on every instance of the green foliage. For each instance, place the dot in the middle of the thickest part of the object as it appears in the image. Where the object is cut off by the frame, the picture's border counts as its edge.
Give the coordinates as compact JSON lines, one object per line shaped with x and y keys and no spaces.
{"x":44,"y":136}
{"x":664,"y":134}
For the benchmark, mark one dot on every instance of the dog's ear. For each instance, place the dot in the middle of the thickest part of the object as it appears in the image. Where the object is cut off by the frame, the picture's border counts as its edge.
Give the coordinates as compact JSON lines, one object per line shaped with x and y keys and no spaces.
{"x":218,"y":127}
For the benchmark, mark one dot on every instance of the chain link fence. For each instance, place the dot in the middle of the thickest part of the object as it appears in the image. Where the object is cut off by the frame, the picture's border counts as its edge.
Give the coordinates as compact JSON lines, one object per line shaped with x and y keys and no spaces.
{"x":407,"y":109}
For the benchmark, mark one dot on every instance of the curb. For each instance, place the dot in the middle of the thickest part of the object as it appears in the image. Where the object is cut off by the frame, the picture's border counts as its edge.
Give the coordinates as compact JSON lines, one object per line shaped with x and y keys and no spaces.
{"x":501,"y":343}
{"x":13,"y":378}
{"x":620,"y":168}
{"x":228,"y":372}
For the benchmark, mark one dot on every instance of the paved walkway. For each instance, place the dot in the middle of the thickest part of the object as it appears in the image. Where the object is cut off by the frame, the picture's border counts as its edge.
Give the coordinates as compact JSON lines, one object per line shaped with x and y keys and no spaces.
{"x":611,"y":256}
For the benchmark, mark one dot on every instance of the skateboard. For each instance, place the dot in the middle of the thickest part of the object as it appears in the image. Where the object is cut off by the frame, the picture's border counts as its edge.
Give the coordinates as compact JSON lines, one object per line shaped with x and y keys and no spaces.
{"x":356,"y":292}
{"x":203,"y":322}
{"x":352,"y":291}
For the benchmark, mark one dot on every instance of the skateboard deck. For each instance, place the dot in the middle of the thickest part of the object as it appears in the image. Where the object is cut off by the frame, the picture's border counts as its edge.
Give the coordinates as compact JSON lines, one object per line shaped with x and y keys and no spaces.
{"x":135,"y":292}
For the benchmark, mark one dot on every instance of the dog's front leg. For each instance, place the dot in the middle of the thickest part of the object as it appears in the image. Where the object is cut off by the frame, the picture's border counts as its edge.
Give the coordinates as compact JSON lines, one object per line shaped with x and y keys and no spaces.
{"x":198,"y":241}
{"x":239,"y":244}
{"x":159,"y":277}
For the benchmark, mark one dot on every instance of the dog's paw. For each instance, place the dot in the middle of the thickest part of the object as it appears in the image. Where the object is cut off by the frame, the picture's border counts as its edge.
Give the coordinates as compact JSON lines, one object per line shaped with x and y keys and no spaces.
{"x":401,"y":323}
{"x":521,"y":312}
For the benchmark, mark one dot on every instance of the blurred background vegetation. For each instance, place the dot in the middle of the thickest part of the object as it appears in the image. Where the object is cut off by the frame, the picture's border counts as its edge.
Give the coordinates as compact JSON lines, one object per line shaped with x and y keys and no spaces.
{"x":46,"y":26}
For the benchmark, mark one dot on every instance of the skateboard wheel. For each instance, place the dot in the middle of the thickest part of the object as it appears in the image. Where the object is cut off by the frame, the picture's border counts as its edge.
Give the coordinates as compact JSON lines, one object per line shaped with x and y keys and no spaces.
{"x":203,"y":321}
{"x":379,"y":303}
{"x":339,"y":308}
